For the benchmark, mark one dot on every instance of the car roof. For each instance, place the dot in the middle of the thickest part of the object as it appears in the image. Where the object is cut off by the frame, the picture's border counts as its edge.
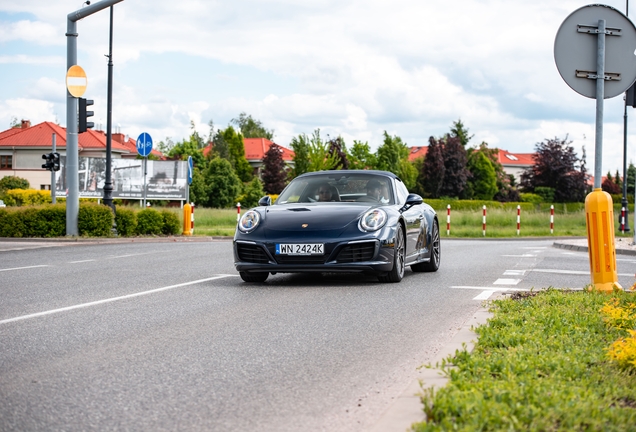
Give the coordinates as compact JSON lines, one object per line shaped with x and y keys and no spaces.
{"x":349,"y":172}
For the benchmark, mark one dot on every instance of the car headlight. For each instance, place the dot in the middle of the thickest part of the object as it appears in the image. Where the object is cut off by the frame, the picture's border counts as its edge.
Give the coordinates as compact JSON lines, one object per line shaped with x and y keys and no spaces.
{"x":249,"y":221}
{"x":373,"y":220}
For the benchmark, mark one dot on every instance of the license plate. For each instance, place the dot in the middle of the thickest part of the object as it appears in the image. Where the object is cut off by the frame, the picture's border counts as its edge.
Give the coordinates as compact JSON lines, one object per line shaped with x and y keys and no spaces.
{"x":300,"y":249}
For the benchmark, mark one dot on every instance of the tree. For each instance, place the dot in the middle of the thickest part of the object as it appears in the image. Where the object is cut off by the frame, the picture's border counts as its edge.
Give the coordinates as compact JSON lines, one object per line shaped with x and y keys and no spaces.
{"x":219,"y":147}
{"x":393,"y":156}
{"x":631,"y":180}
{"x":274,"y":174}
{"x":195,"y":137}
{"x":483,"y":182}
{"x":236,"y":148}
{"x":506,"y":190}
{"x":319,"y":157}
{"x":222,"y":184}
{"x":251,"y":128}
{"x":198,"y":193}
{"x":610,"y":186}
{"x":557,"y":166}
{"x":433,"y":170}
{"x":360,"y":156}
{"x":252,"y":193}
{"x":300,"y":145}
{"x":165,"y":146}
{"x":338,"y":149}
{"x":456,"y":174}
{"x":185,"y":148}
{"x":460,"y":131}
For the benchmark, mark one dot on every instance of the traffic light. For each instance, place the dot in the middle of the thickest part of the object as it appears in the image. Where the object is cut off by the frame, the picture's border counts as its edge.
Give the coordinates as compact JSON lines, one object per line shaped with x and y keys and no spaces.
{"x":48,"y":165}
{"x":56,"y":161}
{"x":84,"y":124}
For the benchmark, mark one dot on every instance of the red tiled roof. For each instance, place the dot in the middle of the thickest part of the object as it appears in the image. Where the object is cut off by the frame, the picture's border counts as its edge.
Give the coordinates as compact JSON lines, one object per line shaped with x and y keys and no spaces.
{"x":519,"y":159}
{"x":255,"y":149}
{"x":417,"y":152}
{"x":40,"y":135}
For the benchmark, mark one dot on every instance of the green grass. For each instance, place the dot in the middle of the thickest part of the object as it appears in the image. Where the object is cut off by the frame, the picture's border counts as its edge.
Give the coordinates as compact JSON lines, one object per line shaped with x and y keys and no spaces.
{"x":539,"y":364}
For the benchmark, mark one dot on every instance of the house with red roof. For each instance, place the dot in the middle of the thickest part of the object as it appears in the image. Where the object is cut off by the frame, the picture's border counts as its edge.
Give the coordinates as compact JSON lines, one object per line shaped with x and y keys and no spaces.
{"x":513,"y":163}
{"x":255,"y":149}
{"x":22,"y":147}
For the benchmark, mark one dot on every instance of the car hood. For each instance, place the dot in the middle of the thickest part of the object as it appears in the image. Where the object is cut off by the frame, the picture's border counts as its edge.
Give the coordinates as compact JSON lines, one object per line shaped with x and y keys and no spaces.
{"x":313,"y":217}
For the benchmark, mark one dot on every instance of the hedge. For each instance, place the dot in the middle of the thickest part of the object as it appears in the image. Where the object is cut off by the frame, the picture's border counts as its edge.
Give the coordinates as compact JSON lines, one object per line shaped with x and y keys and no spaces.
{"x":474,"y":205}
{"x":93,"y":221}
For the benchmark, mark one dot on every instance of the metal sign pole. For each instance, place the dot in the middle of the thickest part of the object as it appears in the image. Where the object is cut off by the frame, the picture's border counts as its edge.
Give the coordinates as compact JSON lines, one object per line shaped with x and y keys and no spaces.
{"x":600,"y":96}
{"x":145,"y":173}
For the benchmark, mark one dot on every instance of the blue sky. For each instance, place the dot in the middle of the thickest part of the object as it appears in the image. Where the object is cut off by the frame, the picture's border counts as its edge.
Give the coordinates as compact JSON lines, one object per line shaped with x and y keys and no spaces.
{"x":351,"y":68}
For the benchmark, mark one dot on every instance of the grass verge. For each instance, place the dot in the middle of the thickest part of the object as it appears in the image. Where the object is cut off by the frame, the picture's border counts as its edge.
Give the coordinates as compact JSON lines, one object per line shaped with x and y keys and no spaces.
{"x":540,"y":364}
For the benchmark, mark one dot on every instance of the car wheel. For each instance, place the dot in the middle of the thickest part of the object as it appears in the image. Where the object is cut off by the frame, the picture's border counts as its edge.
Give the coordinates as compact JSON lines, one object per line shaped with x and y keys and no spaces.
{"x":433,"y":264}
{"x":254,"y":277}
{"x":397,"y":272}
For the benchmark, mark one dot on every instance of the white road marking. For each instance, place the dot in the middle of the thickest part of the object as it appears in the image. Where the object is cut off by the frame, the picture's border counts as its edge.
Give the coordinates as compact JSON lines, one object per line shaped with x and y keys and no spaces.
{"x":535,"y":248}
{"x":484,"y":295}
{"x":488,"y":288}
{"x":520,"y":256}
{"x":82,"y":261}
{"x":514,"y":272}
{"x":503,"y":281}
{"x":22,"y":268}
{"x":109,"y":300}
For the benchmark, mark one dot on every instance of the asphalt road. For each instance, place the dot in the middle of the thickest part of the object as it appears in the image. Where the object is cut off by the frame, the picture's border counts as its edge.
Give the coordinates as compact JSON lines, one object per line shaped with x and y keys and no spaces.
{"x":165,"y":336}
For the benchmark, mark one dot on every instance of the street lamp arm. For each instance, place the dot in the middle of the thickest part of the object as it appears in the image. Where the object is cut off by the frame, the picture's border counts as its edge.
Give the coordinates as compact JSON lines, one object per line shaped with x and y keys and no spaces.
{"x":89,"y":10}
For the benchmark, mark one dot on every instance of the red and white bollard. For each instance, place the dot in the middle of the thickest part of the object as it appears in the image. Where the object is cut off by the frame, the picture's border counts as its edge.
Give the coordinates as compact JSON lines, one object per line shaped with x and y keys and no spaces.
{"x":551,"y":219}
{"x":518,"y":219}
{"x":238,"y":212}
{"x":192,"y":220}
{"x":483,"y":225}
{"x":448,"y":220}
{"x":623,"y":220}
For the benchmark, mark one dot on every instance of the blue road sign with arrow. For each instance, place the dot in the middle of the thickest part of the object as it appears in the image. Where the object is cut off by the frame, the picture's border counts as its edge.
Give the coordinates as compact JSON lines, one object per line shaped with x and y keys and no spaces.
{"x":144,"y":144}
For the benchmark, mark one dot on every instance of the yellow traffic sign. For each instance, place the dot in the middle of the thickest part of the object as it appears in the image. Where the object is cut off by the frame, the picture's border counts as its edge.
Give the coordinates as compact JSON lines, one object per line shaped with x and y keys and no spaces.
{"x":76,"y":81}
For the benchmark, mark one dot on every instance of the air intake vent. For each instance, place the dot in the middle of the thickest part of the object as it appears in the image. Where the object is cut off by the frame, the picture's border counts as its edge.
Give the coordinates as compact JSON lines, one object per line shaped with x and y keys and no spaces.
{"x":357,"y":252}
{"x":251,"y":253}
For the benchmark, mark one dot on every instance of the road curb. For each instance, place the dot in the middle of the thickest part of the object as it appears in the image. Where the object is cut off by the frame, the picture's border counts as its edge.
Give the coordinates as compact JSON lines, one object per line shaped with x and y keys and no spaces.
{"x":580,"y":248}
{"x":111,"y":240}
{"x":407,"y":408}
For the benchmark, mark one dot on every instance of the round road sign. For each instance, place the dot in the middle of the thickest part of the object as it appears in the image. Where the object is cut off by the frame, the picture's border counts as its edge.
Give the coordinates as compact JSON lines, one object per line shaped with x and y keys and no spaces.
{"x":575,"y":50}
{"x":76,"y":81}
{"x":144,"y":144}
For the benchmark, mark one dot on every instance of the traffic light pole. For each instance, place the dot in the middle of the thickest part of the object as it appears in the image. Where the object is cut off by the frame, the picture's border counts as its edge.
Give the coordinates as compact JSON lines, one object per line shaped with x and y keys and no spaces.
{"x":72,"y":151}
{"x":108,"y":183}
{"x":53,"y":145}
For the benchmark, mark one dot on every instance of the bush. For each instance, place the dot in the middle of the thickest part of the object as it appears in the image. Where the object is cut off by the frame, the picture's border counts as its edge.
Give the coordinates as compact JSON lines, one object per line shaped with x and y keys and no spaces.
{"x":126,"y":220}
{"x":22,"y":197}
{"x":95,"y":220}
{"x":149,"y":222}
{"x":531,"y":198}
{"x":45,"y":221}
{"x":546,"y":193}
{"x":13,"y":182}
{"x":171,"y":223}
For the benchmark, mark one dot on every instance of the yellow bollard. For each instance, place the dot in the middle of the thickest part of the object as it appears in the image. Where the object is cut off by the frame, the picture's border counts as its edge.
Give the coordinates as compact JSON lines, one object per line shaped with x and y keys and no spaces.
{"x":599,"y":214}
{"x":187,"y":223}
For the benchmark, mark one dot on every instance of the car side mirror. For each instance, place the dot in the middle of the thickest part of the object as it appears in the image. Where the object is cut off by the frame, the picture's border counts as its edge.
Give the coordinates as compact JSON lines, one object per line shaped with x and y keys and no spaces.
{"x":412,"y":200}
{"x":266,"y":201}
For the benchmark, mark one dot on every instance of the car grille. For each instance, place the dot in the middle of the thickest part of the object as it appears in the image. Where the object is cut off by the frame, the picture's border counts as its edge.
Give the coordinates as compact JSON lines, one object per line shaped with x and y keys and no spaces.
{"x":305,"y":259}
{"x":251,"y":253}
{"x":356,"y":252}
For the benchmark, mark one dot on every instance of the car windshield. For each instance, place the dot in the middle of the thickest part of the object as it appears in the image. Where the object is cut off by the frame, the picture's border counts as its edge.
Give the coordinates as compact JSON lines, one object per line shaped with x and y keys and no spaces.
{"x":329,"y":188}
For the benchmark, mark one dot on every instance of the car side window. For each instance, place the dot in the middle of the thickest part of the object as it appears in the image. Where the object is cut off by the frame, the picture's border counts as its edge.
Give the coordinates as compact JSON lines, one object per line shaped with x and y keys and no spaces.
{"x":402,"y":192}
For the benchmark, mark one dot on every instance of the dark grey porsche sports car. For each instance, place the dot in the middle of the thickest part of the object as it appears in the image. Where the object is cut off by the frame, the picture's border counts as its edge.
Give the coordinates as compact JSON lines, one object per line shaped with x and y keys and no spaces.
{"x":339,"y":221}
